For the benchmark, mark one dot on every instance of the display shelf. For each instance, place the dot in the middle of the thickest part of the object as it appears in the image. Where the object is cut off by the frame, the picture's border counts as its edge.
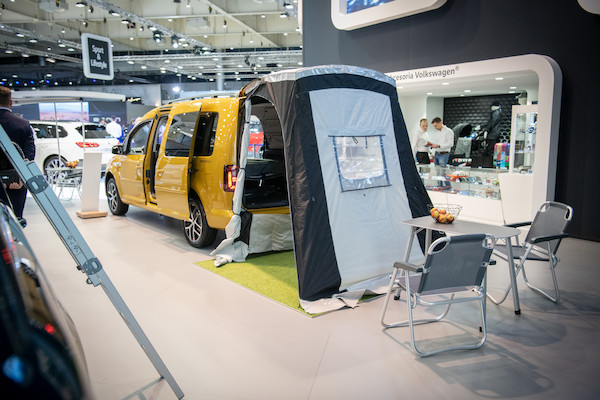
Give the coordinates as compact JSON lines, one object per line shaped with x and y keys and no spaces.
{"x":523,"y":138}
{"x":472,"y":182}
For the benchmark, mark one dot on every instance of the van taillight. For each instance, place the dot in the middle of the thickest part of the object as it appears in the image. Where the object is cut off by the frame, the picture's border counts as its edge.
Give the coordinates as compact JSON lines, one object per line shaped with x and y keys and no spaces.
{"x":87,"y":144}
{"x":229,"y":178}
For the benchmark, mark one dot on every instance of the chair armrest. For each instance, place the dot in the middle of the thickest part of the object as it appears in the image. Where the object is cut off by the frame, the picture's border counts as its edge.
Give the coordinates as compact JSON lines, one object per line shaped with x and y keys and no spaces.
{"x":518,"y":224}
{"x":547,"y":238}
{"x":406,"y":266}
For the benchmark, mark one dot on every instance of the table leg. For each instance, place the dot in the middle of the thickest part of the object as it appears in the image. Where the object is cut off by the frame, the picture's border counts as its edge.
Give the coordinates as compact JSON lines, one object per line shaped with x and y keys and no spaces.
{"x":513,"y":277}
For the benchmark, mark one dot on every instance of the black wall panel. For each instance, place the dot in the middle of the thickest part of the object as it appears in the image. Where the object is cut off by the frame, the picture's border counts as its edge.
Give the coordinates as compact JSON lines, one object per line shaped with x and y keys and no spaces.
{"x":475,"y":110}
{"x":474,"y":30}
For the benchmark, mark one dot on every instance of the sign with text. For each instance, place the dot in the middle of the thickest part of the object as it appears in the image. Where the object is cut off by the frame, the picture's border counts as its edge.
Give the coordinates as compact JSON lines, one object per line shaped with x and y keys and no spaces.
{"x":97,"y":57}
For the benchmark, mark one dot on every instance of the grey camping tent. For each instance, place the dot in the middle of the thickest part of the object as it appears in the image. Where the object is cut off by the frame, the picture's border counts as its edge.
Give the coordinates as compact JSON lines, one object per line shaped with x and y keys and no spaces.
{"x":351,"y":176}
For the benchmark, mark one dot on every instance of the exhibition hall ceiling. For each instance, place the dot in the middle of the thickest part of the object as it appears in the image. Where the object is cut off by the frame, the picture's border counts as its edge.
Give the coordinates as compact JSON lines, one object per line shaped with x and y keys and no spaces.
{"x":154,"y":41}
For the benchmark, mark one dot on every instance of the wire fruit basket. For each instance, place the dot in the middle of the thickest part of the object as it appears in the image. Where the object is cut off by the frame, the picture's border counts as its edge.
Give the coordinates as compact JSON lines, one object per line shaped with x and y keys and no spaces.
{"x":445,"y":213}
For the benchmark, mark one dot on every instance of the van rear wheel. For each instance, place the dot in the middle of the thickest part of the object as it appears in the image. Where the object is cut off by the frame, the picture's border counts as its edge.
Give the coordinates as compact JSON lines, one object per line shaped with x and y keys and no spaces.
{"x":196,"y":229}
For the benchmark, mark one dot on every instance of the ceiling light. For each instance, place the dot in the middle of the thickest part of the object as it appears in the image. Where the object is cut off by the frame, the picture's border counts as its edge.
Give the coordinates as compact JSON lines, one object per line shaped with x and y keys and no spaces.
{"x":263,"y":16}
{"x":224,"y":24}
{"x":288,"y":5}
{"x":80,"y":4}
{"x":130,"y":62}
{"x":170,"y":19}
{"x":429,"y":93}
{"x":143,"y":67}
{"x":8,"y":51}
{"x":62,"y":45}
{"x":283,"y":15}
{"x":512,"y":87}
{"x":188,"y":4}
{"x":90,"y":9}
{"x":174,"y":42}
{"x":167,"y":61}
{"x":20,"y":35}
{"x":70,"y":49}
{"x":84,"y":23}
{"x":499,"y":78}
{"x":152,"y":28}
{"x":131,"y":81}
{"x":114,"y":13}
{"x":445,"y":83}
{"x":125,"y":21}
{"x":33,"y":40}
{"x":51,"y":60}
{"x":163,"y":71}
{"x":25,"y":55}
{"x":467,"y":91}
{"x":130,"y":37}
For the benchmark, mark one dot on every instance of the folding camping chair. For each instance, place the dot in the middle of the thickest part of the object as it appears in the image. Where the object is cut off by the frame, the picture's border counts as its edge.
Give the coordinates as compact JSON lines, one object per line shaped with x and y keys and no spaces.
{"x":453,"y":265}
{"x":540,"y":244}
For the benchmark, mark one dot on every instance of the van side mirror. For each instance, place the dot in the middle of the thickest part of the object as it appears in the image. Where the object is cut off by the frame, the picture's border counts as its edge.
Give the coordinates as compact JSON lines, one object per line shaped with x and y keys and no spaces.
{"x":117,"y":149}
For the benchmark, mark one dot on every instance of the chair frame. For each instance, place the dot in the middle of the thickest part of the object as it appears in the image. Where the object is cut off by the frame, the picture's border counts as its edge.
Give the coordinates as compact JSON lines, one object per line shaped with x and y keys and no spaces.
{"x":532,"y":248}
{"x":415,"y":298}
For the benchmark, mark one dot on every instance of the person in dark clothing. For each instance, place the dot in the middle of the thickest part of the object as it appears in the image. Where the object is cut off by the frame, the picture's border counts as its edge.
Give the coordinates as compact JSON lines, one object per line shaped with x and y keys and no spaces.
{"x":20,"y":132}
{"x":493,"y":127}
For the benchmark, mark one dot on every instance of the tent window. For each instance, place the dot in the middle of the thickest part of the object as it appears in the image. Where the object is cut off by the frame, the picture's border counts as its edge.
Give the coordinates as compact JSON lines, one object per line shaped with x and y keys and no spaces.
{"x":360,"y":162}
{"x":181,"y":131}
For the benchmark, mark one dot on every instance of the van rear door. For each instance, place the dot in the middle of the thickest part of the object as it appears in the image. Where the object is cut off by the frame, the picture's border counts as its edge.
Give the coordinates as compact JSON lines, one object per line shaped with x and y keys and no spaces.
{"x":173,"y":167}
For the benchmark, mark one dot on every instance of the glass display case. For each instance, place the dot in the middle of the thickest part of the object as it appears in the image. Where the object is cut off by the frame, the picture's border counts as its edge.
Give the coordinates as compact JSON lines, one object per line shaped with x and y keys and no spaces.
{"x":473,"y":182}
{"x":522,"y":138}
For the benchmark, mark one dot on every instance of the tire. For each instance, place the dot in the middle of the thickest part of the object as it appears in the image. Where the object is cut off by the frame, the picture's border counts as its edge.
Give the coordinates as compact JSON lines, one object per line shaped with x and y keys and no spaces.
{"x":196,"y":229}
{"x":54,"y":162}
{"x":115,"y":205}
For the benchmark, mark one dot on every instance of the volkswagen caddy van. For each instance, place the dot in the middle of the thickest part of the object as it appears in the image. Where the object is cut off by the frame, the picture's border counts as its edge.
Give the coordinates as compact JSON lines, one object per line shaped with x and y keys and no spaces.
{"x":181,"y":160}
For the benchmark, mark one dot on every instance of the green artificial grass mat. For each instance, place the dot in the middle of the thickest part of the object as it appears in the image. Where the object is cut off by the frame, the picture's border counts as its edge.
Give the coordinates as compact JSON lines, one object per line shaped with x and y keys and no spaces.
{"x":271,"y":274}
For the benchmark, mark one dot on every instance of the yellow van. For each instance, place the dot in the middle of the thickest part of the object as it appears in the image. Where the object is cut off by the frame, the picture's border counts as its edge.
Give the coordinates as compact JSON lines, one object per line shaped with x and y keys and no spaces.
{"x":181,"y":160}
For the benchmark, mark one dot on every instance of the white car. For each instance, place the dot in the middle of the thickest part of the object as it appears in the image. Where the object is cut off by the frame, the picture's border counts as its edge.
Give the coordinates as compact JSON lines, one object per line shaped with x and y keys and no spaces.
{"x":51,"y":152}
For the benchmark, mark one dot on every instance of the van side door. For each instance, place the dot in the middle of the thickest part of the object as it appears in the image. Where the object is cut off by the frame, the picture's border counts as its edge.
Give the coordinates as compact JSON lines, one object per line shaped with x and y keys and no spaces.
{"x":173,"y":167}
{"x":132,"y":166}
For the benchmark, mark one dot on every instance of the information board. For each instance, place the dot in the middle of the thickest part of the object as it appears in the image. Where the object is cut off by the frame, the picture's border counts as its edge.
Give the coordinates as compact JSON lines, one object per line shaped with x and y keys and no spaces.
{"x":97,"y":57}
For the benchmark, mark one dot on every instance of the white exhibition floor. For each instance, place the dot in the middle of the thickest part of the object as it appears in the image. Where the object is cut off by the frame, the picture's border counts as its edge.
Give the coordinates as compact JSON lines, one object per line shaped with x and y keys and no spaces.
{"x":223,"y":341}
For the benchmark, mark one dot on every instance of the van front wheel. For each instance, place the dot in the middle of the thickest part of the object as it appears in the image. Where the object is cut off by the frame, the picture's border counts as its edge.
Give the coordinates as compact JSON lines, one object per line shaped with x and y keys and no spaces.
{"x":196,"y":229}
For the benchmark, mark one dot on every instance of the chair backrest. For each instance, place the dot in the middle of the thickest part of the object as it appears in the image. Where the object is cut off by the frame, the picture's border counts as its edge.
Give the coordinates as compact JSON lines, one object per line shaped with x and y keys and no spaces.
{"x":456,"y":261}
{"x":551,"y":219}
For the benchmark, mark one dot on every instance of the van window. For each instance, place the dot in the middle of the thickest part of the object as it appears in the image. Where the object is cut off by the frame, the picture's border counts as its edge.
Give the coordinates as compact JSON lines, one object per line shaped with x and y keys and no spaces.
{"x":47,"y":131}
{"x":138,"y":139}
{"x":205,"y":137}
{"x":360,"y":161}
{"x":179,"y":137}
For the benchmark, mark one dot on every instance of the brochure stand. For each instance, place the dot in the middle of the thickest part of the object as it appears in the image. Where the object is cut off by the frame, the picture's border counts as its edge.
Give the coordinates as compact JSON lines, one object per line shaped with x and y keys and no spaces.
{"x":90,"y":186}
{"x":80,"y":251}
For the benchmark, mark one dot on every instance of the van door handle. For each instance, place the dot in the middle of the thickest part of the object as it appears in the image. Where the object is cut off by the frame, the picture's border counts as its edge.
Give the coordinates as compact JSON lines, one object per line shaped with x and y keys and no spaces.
{"x":159,"y":173}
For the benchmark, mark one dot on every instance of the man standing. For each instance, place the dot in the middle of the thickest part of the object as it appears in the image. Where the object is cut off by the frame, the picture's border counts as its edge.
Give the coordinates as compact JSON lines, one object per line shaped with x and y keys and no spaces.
{"x":421,"y":143}
{"x":445,"y":139}
{"x":20,"y":132}
{"x":113,"y":128}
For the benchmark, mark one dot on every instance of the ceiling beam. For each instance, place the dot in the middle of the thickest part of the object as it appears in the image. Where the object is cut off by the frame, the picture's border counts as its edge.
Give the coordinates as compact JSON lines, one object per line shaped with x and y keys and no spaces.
{"x":239,"y":22}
